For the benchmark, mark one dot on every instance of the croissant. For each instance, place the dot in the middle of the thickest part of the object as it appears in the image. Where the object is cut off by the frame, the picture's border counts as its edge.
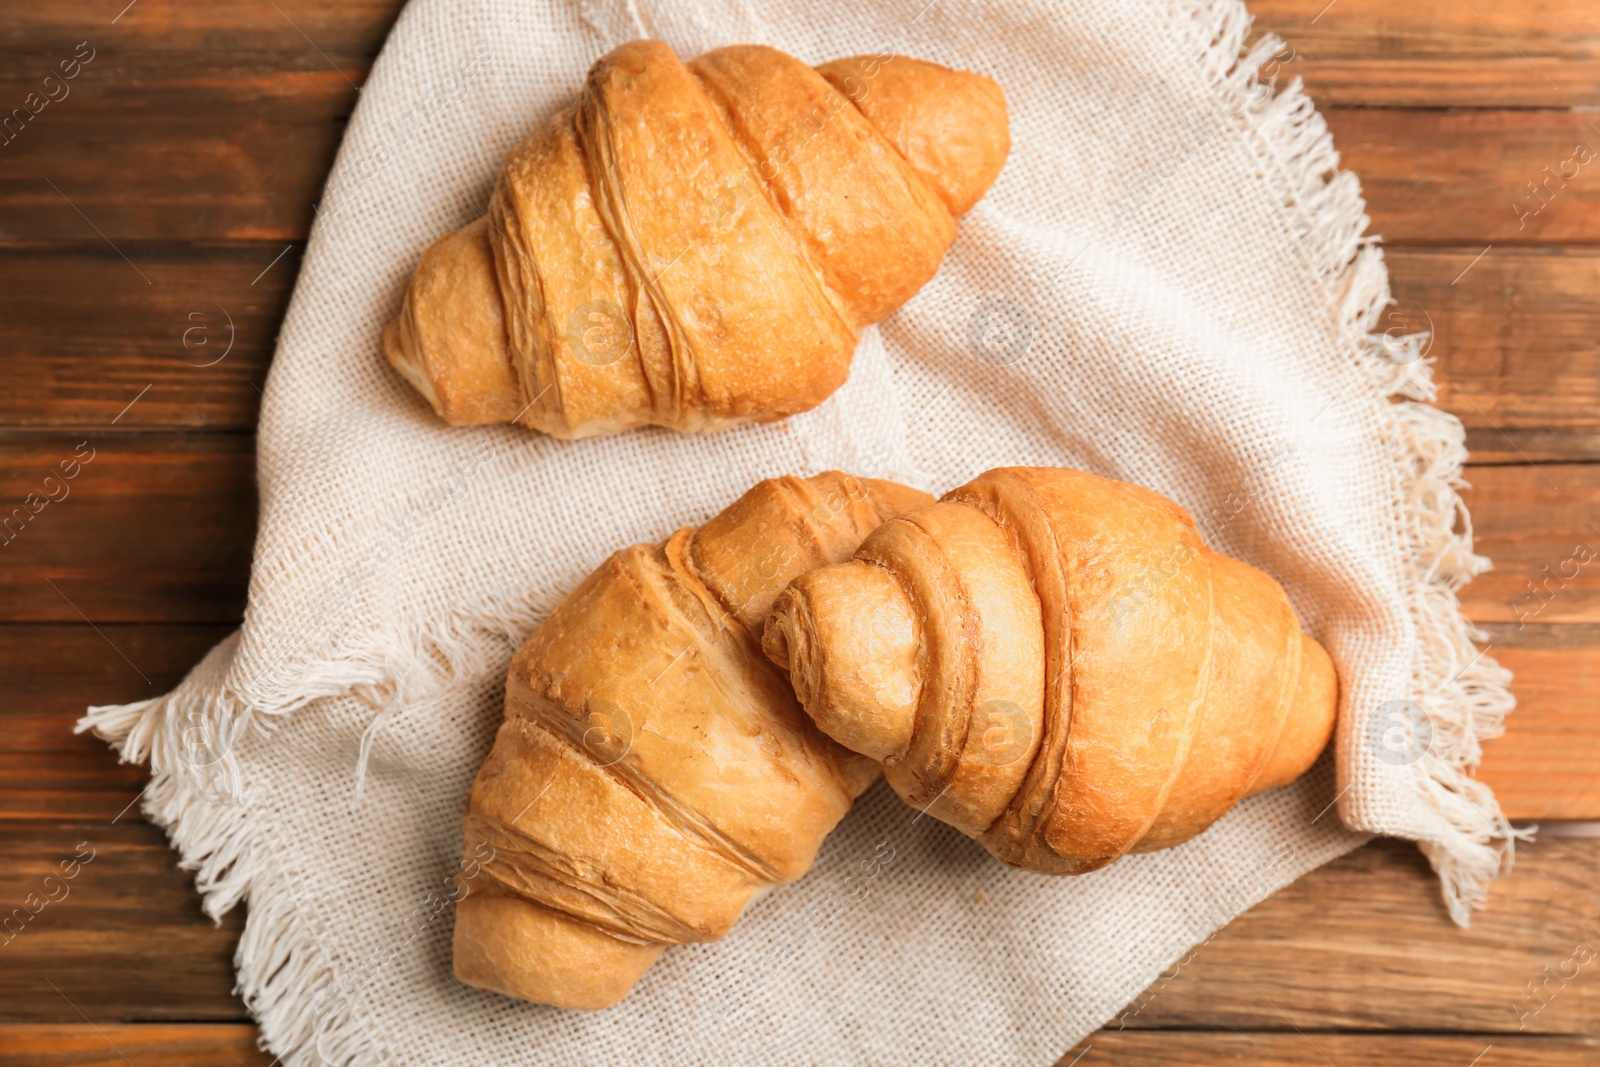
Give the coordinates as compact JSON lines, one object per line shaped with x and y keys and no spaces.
{"x":654,"y":772}
{"x":1056,"y":665}
{"x":696,"y":246}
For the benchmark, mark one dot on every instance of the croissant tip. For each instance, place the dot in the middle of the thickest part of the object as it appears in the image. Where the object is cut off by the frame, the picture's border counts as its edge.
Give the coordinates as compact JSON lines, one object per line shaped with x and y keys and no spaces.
{"x":449,"y":340}
{"x":952,"y":126}
{"x":519,"y":948}
{"x":399,"y":355}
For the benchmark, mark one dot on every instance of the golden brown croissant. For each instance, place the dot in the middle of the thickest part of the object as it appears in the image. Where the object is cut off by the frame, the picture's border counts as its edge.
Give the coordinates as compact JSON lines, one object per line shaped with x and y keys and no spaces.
{"x":654,"y":772}
{"x":697,"y":246}
{"x":1056,"y":665}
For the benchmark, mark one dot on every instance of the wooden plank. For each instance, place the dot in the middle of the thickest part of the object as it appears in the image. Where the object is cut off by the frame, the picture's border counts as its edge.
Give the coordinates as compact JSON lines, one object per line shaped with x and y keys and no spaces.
{"x":233,"y":172}
{"x":158,"y":527}
{"x":180,"y":122}
{"x":1489,"y":53}
{"x":206,"y":173}
{"x":1364,"y":944}
{"x":1513,"y":345}
{"x":1400,"y":33}
{"x":225,"y":27}
{"x":1540,"y":524}
{"x":141,"y":169}
{"x":1360,"y":944}
{"x":54,"y":672}
{"x":1360,"y":53}
{"x":1205,"y":1048}
{"x":124,"y":939}
{"x":1544,"y":765}
{"x":145,"y":1044}
{"x":200,"y":335}
{"x":1440,"y":81}
{"x":1474,"y":177}
{"x":225,"y":1045}
{"x":302,"y":87}
{"x":1543,"y":768}
{"x":298,"y":59}
{"x":155,"y":527}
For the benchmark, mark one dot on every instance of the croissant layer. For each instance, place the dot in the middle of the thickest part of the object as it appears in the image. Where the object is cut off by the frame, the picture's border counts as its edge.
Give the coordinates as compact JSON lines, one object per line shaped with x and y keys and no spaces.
{"x":1057,"y":665}
{"x":654,"y":771}
{"x":698,"y":245}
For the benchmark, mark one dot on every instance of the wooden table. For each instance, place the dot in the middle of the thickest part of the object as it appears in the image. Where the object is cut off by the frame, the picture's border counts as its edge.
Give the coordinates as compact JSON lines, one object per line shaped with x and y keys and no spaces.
{"x":170,"y":193}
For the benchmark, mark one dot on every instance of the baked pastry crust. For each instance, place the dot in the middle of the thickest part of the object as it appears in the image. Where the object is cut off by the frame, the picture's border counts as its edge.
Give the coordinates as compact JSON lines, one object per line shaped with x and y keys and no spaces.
{"x":654,"y":771}
{"x":698,"y":245}
{"x":1057,"y":665}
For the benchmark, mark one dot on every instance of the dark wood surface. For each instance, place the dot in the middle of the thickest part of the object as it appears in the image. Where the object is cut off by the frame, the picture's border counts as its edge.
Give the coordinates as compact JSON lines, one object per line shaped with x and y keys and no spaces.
{"x":158,"y":213}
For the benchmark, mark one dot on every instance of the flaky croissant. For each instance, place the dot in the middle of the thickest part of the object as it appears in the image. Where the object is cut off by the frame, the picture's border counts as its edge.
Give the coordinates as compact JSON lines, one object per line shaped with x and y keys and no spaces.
{"x":654,"y":772}
{"x":696,"y":246}
{"x":1056,"y":665}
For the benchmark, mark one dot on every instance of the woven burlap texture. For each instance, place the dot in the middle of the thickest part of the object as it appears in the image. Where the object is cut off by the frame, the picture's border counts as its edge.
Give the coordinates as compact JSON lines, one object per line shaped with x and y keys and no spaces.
{"x":1168,"y":285}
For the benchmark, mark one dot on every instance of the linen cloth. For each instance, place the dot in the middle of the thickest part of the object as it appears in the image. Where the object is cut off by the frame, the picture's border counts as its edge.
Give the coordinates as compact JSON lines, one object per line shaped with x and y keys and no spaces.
{"x":1169,"y":285}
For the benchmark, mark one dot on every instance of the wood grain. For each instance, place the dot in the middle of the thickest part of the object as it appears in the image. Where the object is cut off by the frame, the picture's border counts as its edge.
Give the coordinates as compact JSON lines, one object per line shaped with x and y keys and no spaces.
{"x":1363,"y":944}
{"x":1544,"y":765}
{"x":1515,"y":338}
{"x":126,"y":942}
{"x":1399,"y":33}
{"x":195,"y":145}
{"x":1487,"y":53}
{"x":54,"y":672}
{"x":200,"y":335}
{"x":201,"y":174}
{"x":147,"y":81}
{"x":239,"y":28}
{"x":1204,"y":1048}
{"x":104,"y":165}
{"x":1538,"y":523}
{"x":1507,"y":81}
{"x":156,"y":527}
{"x":147,"y":1045}
{"x":1430,"y":177}
{"x":1543,"y":768}
{"x":1516,"y":343}
{"x":1463,"y":177}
